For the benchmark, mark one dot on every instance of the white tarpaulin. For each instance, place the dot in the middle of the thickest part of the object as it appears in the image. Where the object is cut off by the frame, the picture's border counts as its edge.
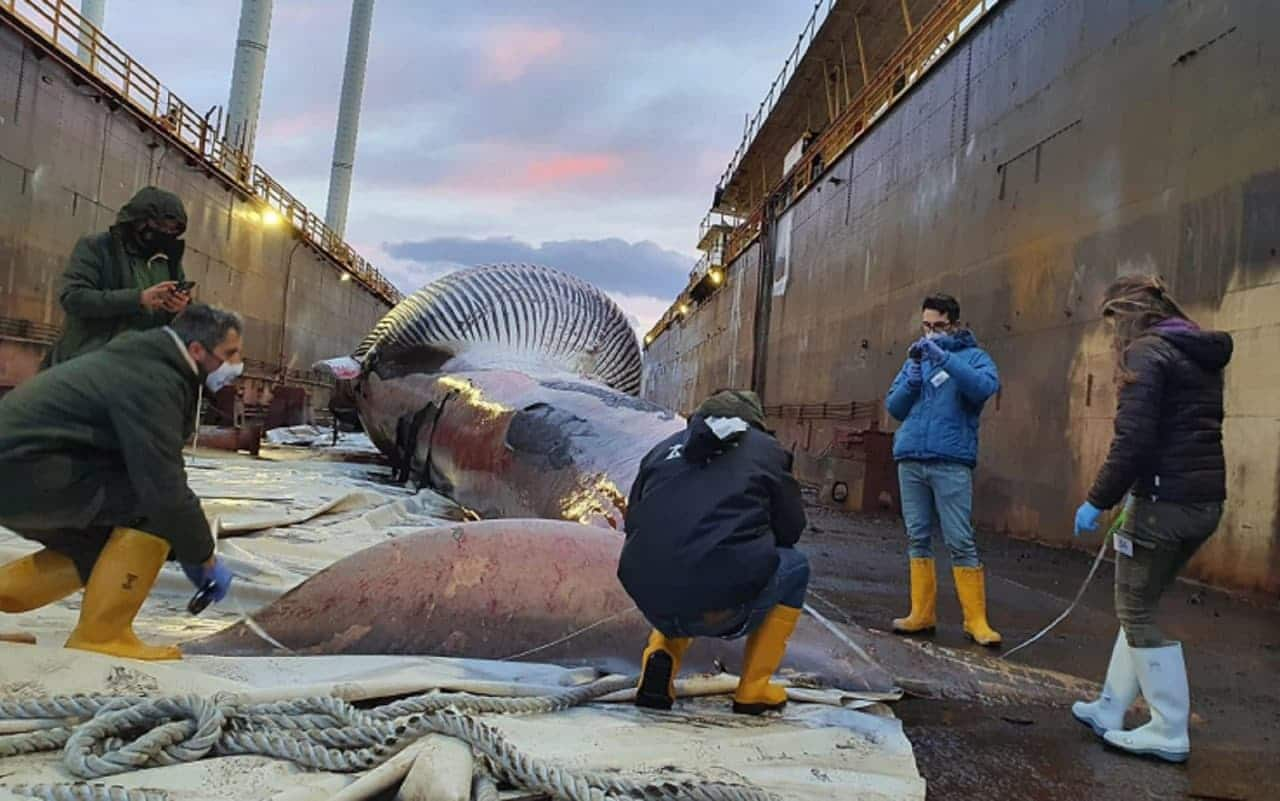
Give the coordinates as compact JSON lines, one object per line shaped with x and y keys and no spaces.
{"x":282,"y":519}
{"x":811,"y":752}
{"x":294,"y":513}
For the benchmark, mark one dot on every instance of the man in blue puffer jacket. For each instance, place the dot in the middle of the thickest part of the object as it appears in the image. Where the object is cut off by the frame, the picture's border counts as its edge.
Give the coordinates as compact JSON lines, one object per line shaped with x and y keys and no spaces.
{"x":938,"y":396}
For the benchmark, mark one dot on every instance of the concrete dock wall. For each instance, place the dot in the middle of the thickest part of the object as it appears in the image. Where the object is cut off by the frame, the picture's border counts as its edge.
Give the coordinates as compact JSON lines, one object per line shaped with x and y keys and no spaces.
{"x":70,"y":156}
{"x":1061,"y":144}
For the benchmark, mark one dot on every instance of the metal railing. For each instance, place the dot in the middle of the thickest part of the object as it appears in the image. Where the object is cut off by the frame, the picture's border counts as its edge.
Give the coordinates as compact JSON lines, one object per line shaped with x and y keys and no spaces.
{"x":60,"y":26}
{"x":271,"y":372}
{"x":30,"y":331}
{"x":821,"y":10}
{"x":853,"y":410}
{"x":929,"y":41}
{"x":716,"y":221}
{"x":710,"y":259}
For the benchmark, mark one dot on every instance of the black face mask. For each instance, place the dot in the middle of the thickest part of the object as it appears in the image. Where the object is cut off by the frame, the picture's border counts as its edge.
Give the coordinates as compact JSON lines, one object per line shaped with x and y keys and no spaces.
{"x":153,"y":241}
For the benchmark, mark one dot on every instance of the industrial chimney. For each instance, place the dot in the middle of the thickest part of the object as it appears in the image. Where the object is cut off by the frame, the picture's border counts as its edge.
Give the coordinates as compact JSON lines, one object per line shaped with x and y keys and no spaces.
{"x":344,"y":144}
{"x":246,"y":75}
{"x":94,"y":12}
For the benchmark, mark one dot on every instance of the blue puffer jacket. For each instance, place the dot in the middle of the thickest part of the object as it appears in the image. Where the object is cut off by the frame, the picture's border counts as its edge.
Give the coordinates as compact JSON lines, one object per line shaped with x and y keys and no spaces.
{"x":940,"y":417}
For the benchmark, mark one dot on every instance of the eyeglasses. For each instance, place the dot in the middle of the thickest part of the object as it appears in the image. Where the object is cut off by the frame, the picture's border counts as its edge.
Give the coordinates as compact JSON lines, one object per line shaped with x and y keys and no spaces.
{"x":940,"y":327}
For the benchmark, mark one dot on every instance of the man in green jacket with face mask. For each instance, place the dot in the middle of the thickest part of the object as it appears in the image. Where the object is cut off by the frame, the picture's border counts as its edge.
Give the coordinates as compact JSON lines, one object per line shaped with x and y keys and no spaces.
{"x":128,"y":278}
{"x":91,"y":467}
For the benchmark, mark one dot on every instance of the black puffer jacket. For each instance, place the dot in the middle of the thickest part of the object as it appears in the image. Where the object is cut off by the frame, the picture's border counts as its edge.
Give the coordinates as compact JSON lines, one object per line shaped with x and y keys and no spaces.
{"x":705,"y":519}
{"x":1168,"y":430}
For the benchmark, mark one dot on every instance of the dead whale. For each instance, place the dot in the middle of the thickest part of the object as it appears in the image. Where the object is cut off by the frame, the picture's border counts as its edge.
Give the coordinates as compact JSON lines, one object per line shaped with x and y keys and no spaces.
{"x":510,"y":389}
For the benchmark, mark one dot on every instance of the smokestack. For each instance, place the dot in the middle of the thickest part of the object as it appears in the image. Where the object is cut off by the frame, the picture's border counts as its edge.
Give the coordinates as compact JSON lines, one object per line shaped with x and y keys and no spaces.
{"x":246,"y":76}
{"x":94,"y":13}
{"x":344,"y":144}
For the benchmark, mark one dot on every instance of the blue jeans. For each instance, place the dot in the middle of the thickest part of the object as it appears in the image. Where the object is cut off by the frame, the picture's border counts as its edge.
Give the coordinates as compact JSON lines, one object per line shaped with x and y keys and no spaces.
{"x":938,"y":495}
{"x":787,"y":587}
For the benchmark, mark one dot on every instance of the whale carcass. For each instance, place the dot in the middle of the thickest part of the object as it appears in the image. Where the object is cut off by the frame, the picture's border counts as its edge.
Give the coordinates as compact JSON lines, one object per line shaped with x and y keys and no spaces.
{"x":517,"y":589}
{"x":512,"y":389}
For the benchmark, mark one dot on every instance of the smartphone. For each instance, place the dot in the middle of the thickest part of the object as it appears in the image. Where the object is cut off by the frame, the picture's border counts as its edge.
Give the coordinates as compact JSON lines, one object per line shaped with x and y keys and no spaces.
{"x":184,"y":286}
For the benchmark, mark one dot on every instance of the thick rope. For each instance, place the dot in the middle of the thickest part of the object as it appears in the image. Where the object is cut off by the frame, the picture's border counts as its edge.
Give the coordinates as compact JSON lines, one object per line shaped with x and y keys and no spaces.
{"x":87,"y":792}
{"x":115,"y":735}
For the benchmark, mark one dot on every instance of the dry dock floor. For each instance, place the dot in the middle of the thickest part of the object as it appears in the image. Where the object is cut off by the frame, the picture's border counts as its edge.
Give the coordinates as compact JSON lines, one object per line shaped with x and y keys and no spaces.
{"x":1037,"y":753}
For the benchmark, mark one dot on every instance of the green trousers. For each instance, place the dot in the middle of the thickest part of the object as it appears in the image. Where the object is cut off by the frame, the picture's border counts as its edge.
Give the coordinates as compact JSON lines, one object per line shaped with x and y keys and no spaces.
{"x":1164,"y":537}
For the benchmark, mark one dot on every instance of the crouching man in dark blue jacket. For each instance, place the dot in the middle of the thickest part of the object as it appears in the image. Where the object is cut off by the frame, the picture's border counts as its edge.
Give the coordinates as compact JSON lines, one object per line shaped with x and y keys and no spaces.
{"x":711,"y":523}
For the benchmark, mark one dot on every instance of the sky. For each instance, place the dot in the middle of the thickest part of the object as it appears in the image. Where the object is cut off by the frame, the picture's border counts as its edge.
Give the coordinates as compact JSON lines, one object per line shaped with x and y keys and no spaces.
{"x":586,"y":136}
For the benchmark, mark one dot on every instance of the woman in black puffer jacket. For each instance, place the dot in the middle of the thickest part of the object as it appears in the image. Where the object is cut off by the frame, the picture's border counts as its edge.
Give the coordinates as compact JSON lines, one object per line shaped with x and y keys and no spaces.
{"x":1166,"y":452}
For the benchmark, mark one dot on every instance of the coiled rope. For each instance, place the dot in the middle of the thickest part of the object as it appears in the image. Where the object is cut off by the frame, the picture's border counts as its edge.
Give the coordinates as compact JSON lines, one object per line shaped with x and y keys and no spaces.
{"x":114,"y":735}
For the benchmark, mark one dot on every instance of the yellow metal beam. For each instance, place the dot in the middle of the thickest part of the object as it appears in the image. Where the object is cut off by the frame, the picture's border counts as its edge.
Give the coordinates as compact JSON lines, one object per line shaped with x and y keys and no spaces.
{"x":844,"y":71}
{"x":906,"y":16}
{"x":862,"y":53}
{"x":826,"y":90}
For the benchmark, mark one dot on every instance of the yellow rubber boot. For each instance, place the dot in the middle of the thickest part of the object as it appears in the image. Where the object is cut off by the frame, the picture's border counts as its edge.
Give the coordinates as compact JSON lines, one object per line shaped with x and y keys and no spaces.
{"x":972,"y":591}
{"x":661,"y":663}
{"x":37,"y":580}
{"x":120,"y":582}
{"x":32,"y":582}
{"x":924,"y":600}
{"x":765,"y":649}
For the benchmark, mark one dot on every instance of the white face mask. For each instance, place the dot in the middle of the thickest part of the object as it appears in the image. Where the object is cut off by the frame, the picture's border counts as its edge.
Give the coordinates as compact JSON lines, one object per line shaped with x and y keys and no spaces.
{"x":933,"y":335}
{"x":224,"y":375}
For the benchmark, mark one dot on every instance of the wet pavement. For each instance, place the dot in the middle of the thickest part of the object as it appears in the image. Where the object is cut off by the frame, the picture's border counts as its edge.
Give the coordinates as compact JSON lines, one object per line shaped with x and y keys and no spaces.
{"x":1040,"y":753}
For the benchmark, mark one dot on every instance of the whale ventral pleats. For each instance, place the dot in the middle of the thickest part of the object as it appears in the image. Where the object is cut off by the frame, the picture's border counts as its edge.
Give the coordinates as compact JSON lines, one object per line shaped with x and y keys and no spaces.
{"x":528,"y":313}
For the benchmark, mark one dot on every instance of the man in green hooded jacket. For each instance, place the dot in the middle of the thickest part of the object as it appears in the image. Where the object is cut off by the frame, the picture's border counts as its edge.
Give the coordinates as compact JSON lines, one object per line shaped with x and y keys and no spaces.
{"x":127,"y":278}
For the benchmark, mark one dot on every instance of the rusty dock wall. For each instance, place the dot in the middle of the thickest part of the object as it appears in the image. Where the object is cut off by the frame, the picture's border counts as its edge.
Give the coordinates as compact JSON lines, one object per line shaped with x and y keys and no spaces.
{"x":74,"y":148}
{"x":1059,"y":144}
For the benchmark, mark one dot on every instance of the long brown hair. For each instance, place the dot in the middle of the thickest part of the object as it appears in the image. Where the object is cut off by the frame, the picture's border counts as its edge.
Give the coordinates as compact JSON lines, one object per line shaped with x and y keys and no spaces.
{"x":1136,"y":303}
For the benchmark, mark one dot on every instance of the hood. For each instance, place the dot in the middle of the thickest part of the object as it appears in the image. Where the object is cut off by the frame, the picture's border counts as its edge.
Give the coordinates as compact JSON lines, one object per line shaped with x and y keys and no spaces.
{"x":1210,"y":349}
{"x":738,"y":403}
{"x":152,"y":203}
{"x":708,"y":437}
{"x":960,"y":340}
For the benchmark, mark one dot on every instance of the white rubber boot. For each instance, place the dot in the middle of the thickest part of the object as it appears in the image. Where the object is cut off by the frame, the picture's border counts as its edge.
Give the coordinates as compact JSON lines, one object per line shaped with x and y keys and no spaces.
{"x":1162,"y":675}
{"x":1118,"y":692}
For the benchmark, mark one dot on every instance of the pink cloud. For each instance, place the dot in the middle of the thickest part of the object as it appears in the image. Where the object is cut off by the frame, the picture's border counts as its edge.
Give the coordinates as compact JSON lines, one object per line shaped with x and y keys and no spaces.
{"x":513,"y":49}
{"x":564,"y":169}
{"x":508,"y":173}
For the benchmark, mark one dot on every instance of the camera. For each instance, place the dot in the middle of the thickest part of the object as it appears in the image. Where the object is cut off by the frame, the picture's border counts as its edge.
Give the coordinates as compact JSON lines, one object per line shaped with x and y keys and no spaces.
{"x":916,"y":353}
{"x":203,"y":597}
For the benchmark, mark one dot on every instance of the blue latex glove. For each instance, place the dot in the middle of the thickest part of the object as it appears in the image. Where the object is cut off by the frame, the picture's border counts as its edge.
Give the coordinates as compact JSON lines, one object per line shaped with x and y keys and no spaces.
{"x":219,"y":574}
{"x":932,"y":351}
{"x":915,"y":374}
{"x":1087,"y":518}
